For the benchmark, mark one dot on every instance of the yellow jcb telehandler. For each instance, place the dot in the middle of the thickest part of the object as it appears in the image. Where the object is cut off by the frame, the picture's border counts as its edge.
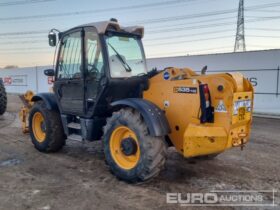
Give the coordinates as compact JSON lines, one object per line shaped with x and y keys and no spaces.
{"x":103,"y":91}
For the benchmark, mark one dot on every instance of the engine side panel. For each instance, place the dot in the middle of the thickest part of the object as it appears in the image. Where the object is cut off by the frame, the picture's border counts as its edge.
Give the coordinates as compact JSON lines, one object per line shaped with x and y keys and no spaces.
{"x":176,"y":91}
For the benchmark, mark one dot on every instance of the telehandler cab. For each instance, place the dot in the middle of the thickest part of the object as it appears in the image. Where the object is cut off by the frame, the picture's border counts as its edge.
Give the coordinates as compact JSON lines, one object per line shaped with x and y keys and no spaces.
{"x":102,"y":90}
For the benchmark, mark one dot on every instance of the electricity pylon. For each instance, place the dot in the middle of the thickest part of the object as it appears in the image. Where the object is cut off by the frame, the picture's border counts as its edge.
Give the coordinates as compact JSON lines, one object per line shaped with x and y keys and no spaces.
{"x":240,"y":45}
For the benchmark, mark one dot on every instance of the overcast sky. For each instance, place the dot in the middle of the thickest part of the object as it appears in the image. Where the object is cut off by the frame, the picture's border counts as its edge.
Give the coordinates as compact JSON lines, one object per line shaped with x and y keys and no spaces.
{"x":172,"y":27}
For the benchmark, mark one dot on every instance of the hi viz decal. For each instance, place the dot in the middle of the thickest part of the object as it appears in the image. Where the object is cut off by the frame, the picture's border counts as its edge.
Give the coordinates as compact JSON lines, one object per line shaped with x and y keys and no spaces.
{"x":190,"y":90}
{"x":221,"y":107}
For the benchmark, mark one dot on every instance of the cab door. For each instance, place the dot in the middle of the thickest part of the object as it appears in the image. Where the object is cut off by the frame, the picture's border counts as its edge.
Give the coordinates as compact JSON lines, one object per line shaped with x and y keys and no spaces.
{"x":69,"y":83}
{"x":94,"y":69}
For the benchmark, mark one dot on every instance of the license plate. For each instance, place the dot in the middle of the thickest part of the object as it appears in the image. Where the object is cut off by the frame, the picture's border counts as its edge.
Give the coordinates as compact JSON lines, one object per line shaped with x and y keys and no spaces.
{"x":244,"y":104}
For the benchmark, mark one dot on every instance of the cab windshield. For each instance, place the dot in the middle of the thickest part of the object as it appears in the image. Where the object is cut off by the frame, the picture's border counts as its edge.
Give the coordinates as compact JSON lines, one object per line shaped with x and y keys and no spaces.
{"x":126,"y":56}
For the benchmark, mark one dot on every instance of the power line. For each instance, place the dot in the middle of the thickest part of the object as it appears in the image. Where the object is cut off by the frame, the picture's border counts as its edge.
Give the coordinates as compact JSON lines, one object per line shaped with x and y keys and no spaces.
{"x":259,"y":36}
{"x":263,"y":29}
{"x":24,"y":49}
{"x":211,"y":25}
{"x":263,"y":46}
{"x":211,"y":20}
{"x":141,"y":6}
{"x":159,"y":31}
{"x":206,"y":14}
{"x":194,"y":40}
{"x":14,"y":3}
{"x":22,"y":37}
{"x":195,"y":22}
{"x":264,"y":17}
{"x":193,"y":27}
{"x":24,"y":33}
{"x":84,"y":12}
{"x":155,"y":31}
{"x":151,"y":39}
{"x":270,"y":11}
{"x":26,"y":52}
{"x":186,"y":35}
{"x":19,"y":33}
{"x":157,"y":20}
{"x":185,"y":52}
{"x":155,"y":39}
{"x":23,"y":42}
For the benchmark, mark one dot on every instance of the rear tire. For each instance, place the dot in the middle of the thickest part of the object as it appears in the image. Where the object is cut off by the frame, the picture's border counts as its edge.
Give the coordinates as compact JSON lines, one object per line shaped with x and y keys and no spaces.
{"x":46,"y":130}
{"x":3,"y":98}
{"x":149,"y":154}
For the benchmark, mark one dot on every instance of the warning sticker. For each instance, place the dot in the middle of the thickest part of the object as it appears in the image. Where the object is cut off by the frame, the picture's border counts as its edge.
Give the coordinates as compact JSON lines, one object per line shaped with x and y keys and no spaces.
{"x":191,"y":90}
{"x":221,"y":107}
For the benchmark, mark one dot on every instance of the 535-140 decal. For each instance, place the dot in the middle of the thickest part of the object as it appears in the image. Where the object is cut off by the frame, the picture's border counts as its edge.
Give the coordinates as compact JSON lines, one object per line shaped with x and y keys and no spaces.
{"x":190,"y":90}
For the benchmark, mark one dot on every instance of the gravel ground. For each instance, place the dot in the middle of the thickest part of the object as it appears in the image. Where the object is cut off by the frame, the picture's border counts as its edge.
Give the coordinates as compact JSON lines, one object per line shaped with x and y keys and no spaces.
{"x":77,"y":177}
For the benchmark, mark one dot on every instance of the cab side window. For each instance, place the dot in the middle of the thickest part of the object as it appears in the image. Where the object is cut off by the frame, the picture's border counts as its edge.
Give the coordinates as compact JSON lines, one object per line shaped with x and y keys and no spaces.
{"x":94,"y":58}
{"x":70,"y":58}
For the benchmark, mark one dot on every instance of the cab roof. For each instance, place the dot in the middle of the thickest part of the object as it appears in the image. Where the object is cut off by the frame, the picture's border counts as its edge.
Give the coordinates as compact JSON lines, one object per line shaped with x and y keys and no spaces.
{"x":103,"y":26}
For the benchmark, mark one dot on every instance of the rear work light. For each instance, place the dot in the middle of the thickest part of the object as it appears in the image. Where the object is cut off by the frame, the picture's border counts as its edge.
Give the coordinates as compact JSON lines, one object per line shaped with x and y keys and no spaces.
{"x":206,"y":95}
{"x":207,"y":111}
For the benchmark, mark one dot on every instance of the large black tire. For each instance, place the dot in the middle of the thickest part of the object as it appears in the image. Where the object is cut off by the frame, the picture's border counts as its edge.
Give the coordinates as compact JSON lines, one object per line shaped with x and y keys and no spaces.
{"x":152,"y":149}
{"x":54,"y":134}
{"x":3,"y":98}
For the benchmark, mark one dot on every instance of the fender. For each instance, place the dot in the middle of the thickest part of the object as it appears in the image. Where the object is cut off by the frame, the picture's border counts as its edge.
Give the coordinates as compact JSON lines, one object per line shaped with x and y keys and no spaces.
{"x":48,"y":98}
{"x":154,"y":117}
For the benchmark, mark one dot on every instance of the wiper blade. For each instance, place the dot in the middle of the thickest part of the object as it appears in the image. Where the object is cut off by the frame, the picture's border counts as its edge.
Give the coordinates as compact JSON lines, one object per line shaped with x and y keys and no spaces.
{"x":125,"y":64}
{"x":141,"y":74}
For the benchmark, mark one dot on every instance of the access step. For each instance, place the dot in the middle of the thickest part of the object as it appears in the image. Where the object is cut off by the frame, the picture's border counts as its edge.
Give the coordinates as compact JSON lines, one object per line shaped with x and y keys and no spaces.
{"x":75,"y":137}
{"x":74,"y":125}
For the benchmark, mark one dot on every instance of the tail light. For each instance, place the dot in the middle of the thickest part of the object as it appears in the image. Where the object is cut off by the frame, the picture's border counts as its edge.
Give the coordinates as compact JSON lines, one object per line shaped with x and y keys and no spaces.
{"x":207,"y":111}
{"x":206,"y":95}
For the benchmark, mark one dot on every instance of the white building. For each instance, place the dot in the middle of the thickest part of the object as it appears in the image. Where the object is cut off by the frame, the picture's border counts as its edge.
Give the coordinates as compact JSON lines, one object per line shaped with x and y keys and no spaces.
{"x":260,"y":67}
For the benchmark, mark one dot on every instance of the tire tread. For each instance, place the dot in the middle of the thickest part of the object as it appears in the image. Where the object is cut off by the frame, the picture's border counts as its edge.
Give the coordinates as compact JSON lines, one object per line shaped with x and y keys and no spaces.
{"x":155,"y":147}
{"x":55,"y":133}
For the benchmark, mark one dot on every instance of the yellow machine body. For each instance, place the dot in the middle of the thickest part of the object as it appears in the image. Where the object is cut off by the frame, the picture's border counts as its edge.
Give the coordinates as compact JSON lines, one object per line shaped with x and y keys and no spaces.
{"x":231,"y":127}
{"x":232,"y":119}
{"x":24,"y":111}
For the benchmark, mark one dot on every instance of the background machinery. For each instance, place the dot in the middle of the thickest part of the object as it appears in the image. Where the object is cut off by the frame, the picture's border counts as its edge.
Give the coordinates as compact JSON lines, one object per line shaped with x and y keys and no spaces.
{"x":3,"y":98}
{"x":24,"y":112}
{"x":102,"y":90}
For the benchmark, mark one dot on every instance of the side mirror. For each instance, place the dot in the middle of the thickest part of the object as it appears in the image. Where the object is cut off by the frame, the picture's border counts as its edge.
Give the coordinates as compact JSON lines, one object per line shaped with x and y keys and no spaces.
{"x":52,"y":39}
{"x":203,"y":70}
{"x":49,"y":72}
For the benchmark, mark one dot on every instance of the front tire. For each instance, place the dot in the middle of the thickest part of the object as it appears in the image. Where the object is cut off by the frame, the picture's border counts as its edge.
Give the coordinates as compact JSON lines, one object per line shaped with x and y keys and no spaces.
{"x":46,"y":130}
{"x":131,"y":153}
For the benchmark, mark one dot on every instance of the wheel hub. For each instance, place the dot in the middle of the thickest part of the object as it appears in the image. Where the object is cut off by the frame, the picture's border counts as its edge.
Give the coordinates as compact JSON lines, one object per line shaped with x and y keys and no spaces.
{"x":129,"y":146}
{"x":124,"y":147}
{"x":39,"y":127}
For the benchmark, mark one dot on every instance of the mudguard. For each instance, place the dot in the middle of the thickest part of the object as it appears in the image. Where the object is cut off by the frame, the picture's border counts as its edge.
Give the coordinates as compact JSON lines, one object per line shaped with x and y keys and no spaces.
{"x":154,"y":117}
{"x":48,"y":98}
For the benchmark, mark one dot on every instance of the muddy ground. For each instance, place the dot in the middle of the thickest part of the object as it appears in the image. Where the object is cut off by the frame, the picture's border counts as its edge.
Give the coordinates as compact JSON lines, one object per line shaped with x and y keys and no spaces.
{"x":77,"y":177}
